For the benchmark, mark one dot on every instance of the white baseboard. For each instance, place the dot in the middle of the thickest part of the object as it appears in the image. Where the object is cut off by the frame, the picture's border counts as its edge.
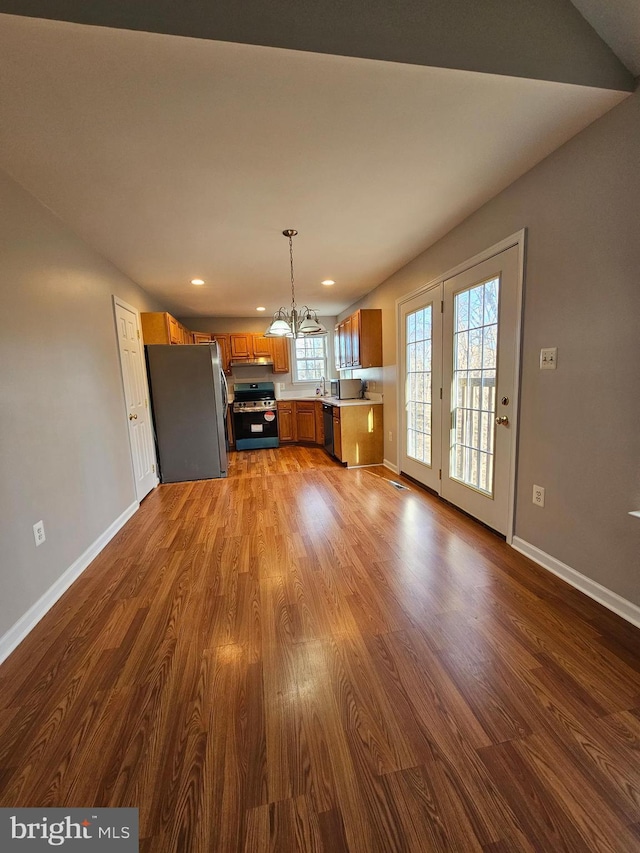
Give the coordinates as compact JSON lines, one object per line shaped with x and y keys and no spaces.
{"x":16,"y":634}
{"x":391,"y":466}
{"x":604,"y":596}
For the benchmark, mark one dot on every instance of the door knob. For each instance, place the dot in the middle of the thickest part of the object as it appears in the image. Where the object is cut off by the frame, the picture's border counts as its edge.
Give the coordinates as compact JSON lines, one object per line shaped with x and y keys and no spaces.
{"x":503,"y":420}
{"x":133,"y":417}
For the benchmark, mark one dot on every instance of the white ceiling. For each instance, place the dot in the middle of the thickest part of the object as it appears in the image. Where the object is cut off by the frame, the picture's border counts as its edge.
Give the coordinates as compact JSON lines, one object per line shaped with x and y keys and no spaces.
{"x":177,"y":157}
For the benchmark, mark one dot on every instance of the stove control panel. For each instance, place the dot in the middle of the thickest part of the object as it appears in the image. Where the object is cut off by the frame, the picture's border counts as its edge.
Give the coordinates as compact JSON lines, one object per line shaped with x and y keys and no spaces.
{"x":254,"y":405}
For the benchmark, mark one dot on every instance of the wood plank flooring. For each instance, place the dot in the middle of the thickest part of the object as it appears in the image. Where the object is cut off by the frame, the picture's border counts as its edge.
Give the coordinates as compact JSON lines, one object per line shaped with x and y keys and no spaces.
{"x":304,"y":658}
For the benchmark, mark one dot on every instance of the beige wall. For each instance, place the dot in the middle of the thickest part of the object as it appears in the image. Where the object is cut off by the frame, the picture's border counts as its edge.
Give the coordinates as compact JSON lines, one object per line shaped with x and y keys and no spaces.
{"x":64,"y":452}
{"x":580,"y":425}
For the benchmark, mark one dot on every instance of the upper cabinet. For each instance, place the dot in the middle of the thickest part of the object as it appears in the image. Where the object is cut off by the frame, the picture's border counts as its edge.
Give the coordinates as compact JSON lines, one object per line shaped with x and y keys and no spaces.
{"x":241,"y":345}
{"x":262,"y":347}
{"x":280,"y":352}
{"x":201,"y":338}
{"x":224,"y":348}
{"x":245,"y":346}
{"x":159,"y":327}
{"x":358,"y":341}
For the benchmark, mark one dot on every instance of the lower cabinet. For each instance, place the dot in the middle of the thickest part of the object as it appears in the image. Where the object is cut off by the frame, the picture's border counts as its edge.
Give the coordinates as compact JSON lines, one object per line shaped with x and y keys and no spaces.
{"x":230,"y":435}
{"x":357,"y":430}
{"x":306,"y":422}
{"x":286,"y":431}
{"x":357,"y":435}
{"x":298,"y":421}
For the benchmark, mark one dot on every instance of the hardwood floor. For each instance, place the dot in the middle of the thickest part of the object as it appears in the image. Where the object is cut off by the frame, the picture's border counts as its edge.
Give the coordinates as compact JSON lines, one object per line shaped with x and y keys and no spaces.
{"x":303,"y":657}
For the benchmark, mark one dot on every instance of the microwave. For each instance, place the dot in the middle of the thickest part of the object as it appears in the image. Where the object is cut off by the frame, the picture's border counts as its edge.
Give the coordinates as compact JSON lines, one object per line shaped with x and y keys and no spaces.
{"x":346,"y":389}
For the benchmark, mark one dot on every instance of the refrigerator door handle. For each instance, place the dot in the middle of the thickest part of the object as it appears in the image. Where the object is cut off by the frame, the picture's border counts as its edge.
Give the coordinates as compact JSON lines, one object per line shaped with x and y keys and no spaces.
{"x":225,"y":388}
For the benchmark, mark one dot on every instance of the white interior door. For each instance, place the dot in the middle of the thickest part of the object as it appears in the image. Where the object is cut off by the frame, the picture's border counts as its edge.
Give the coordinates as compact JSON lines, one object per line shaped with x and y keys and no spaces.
{"x":134,"y":382}
{"x":460,"y":387}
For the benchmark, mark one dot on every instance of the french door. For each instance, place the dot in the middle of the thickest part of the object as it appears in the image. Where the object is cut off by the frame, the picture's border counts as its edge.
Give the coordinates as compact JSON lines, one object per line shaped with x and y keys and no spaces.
{"x":458,"y":358}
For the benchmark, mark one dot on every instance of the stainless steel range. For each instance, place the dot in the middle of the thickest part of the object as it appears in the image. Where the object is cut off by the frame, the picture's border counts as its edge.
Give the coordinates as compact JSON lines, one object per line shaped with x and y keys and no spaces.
{"x":255,"y":415}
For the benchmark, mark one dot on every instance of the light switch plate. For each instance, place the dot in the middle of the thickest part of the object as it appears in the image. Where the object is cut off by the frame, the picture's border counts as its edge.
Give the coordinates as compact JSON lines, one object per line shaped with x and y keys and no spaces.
{"x":548,"y":358}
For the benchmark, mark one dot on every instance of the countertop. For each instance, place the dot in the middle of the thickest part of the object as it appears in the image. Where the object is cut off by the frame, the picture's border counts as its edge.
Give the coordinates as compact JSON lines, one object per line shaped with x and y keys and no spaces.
{"x":331,"y":401}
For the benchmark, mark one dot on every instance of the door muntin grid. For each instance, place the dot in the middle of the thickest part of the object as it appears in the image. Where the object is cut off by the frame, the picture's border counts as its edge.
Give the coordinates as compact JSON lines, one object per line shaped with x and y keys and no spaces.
{"x":418,"y":383}
{"x":473,"y":401}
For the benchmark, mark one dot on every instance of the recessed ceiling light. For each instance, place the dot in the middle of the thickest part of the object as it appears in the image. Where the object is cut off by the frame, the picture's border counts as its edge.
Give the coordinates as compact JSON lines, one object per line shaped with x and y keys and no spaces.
{"x":328,"y":281}
{"x":197,"y":281}
{"x":261,"y":308}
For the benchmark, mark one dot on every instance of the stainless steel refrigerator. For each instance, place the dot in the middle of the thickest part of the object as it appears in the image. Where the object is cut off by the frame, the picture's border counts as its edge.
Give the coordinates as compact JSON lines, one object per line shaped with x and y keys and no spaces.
{"x":189,"y":405}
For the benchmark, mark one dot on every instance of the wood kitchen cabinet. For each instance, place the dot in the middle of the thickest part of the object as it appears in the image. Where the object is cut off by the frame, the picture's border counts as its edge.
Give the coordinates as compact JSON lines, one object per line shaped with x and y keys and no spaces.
{"x":230,"y":434}
{"x":359,"y":340}
{"x":159,"y":327}
{"x":286,"y":431}
{"x":223,"y":346}
{"x":261,"y":346}
{"x":280,"y":352}
{"x":249,"y":346}
{"x":357,"y":434}
{"x":241,"y":345}
{"x":305,"y":421}
{"x":201,"y":338}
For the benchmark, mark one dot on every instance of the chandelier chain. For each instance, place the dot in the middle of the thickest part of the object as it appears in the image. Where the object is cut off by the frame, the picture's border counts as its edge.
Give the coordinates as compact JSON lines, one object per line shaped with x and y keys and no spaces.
{"x":293,"y":292}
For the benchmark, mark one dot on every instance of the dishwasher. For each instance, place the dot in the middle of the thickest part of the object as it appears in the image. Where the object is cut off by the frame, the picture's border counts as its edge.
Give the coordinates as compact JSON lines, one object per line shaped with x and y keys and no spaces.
{"x":327,"y":417}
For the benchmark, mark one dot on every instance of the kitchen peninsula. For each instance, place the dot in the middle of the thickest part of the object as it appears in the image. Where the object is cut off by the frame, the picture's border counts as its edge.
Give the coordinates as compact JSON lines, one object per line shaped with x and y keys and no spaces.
{"x":349,"y":429}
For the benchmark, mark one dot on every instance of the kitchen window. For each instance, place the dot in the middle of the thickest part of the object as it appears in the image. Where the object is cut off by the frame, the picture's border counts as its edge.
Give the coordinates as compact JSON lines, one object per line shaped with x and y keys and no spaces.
{"x":309,"y":359}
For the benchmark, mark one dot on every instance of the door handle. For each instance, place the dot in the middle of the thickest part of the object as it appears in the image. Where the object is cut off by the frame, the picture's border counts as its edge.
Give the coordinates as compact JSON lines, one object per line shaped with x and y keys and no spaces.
{"x":502,"y":421}
{"x":133,"y":417}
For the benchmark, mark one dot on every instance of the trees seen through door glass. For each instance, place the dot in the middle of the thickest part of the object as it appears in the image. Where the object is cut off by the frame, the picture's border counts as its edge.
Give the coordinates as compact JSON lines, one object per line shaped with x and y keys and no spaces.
{"x":418,"y":383}
{"x":474,"y":385}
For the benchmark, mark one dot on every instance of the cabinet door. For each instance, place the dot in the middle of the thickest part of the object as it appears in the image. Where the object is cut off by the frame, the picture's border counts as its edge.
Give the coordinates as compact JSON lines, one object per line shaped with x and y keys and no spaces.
{"x":241,"y":346}
{"x":201,"y":337}
{"x":280,"y":350}
{"x":223,"y":344}
{"x":306,"y":422}
{"x":155,"y":327}
{"x":285,"y":422}
{"x":336,"y":347}
{"x":369,"y":329}
{"x":344,"y":352}
{"x":262,"y":347}
{"x":355,"y":339}
{"x":175,"y":332}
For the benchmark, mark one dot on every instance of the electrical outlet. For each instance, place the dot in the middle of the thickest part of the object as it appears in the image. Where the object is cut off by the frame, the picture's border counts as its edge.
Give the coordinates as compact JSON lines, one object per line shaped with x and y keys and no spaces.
{"x":538,"y":495}
{"x":390,"y":436}
{"x":548,"y":358}
{"x":38,"y":533}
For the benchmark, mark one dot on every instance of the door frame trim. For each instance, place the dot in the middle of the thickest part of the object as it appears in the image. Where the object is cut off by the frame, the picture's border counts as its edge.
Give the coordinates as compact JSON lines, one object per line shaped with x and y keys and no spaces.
{"x":518,"y":240}
{"x":117,"y":301}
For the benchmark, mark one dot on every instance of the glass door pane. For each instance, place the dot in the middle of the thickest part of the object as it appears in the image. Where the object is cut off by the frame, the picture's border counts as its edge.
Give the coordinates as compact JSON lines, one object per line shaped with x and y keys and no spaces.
{"x":473,"y":409}
{"x":418,"y":390}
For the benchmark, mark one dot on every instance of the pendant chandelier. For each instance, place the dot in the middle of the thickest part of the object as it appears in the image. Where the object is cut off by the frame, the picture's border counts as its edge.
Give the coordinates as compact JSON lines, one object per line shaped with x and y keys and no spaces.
{"x":294,"y":323}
